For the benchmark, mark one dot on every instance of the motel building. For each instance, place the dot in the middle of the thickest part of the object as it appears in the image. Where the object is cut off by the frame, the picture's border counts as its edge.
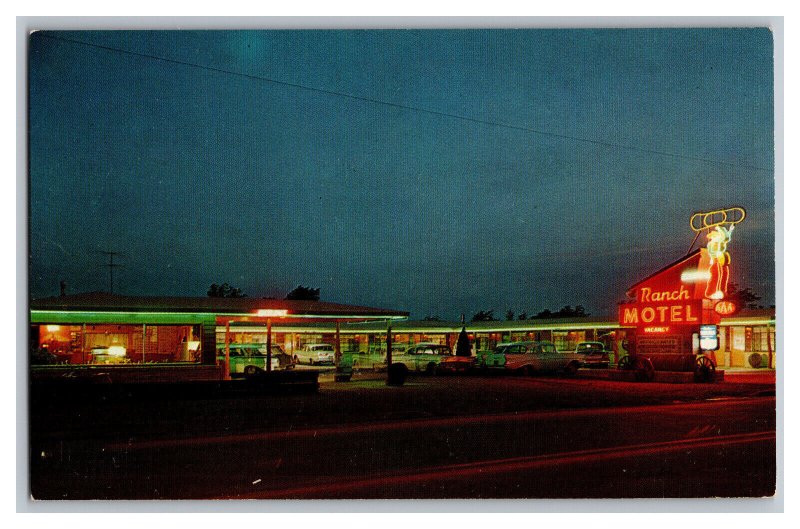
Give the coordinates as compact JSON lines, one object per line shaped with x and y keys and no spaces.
{"x":183,"y":338}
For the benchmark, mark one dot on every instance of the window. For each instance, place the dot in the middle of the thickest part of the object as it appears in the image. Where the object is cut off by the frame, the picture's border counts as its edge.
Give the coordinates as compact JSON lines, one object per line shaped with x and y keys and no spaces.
{"x":756,"y":339}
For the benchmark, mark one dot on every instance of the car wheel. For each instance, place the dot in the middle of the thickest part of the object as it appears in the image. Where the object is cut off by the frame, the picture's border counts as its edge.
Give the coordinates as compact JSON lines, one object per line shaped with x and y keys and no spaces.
{"x":528,"y":371}
{"x":644,"y":369}
{"x":625,"y":363}
{"x":572,"y":369}
{"x":430,"y":369}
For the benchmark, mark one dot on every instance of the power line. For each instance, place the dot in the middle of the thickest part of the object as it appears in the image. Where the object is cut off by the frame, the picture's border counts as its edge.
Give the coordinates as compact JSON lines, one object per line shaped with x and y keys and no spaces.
{"x":412,"y":108}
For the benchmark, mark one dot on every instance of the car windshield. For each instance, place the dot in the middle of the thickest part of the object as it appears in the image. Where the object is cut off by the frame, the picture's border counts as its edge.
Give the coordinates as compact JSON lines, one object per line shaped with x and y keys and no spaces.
{"x":254,"y":351}
{"x":324,"y":348}
{"x":515,"y":349}
{"x":586,"y":348}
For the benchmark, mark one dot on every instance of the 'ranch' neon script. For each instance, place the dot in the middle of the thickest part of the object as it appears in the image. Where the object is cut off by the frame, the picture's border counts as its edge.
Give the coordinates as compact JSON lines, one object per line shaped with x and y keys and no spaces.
{"x":646,"y":295}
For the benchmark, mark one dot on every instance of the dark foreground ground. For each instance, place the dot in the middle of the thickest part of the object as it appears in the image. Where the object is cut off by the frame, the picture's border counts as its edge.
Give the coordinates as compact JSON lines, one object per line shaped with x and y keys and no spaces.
{"x":434,"y":437}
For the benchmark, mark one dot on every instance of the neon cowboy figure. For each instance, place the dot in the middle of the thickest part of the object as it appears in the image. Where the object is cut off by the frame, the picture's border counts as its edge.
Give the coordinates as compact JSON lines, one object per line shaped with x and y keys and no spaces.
{"x":717,"y":248}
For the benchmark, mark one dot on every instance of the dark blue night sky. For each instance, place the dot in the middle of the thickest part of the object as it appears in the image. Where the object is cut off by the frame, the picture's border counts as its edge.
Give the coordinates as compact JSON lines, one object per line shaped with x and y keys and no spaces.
{"x":199,"y":175}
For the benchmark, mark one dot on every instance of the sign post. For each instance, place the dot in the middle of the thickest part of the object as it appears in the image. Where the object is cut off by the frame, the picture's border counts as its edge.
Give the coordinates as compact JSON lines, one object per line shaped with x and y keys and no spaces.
{"x":226,"y":369}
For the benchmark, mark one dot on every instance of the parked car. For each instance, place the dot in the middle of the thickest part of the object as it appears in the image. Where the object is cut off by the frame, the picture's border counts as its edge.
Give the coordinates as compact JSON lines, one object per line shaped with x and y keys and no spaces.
{"x":379,"y":350}
{"x":423,"y":357}
{"x":492,"y":359}
{"x":538,"y":357}
{"x":248,"y":359}
{"x":456,"y":364}
{"x":594,"y":354}
{"x":315,"y":353}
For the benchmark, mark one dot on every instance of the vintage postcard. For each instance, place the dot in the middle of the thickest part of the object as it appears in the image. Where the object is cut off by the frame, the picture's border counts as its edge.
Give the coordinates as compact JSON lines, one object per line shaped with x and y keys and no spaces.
{"x":402,"y":264}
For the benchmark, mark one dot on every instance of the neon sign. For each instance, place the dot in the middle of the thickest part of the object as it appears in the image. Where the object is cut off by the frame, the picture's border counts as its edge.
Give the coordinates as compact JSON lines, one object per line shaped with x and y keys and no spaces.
{"x":693,"y":275}
{"x":726,"y":308}
{"x":274,"y":313}
{"x":720,"y":224}
{"x":705,"y":221}
{"x":647,"y":295}
{"x":719,"y":269}
{"x":687,"y":313}
{"x":687,"y":293}
{"x":656,"y":330}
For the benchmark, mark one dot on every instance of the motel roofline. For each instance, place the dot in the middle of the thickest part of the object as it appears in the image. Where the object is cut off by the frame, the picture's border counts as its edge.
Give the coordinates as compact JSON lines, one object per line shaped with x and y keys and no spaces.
{"x":102,"y":307}
{"x":746,"y":317}
{"x":104,"y":302}
{"x":441,"y":327}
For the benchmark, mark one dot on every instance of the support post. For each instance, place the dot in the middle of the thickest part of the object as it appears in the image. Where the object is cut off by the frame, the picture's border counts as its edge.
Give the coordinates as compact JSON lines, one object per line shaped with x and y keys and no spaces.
{"x":226,"y":368}
{"x":269,"y":345}
{"x":83,"y":343}
{"x":337,"y":347}
{"x":144,"y":341}
{"x":388,"y":347}
{"x":769,"y":347}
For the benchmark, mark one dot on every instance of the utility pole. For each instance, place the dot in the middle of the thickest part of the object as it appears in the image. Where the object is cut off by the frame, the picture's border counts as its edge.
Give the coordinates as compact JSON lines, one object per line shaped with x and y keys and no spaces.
{"x":111,"y":266}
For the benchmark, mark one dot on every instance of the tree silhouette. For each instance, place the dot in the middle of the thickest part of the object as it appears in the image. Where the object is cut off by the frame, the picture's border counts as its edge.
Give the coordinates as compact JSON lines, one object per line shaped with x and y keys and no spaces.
{"x":224,"y":291}
{"x":484,"y":315}
{"x":463,"y":347}
{"x":509,"y":315}
{"x":304,"y":293}
{"x":564,"y":312}
{"x":745,"y":297}
{"x":523,"y":316}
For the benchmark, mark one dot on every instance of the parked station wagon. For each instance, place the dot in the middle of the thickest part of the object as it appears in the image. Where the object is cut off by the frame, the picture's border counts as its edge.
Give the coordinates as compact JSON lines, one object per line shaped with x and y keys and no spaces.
{"x":250,"y":358}
{"x":423,"y":357}
{"x":533,"y":357}
{"x":315,"y":353}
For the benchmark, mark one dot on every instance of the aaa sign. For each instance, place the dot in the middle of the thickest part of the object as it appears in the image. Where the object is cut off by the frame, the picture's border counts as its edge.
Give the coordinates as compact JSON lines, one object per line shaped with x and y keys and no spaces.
{"x":726,"y":308}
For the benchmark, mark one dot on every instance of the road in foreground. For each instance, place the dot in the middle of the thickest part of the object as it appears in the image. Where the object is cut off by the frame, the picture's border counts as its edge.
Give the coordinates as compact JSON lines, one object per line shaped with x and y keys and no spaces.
{"x":510,"y":442}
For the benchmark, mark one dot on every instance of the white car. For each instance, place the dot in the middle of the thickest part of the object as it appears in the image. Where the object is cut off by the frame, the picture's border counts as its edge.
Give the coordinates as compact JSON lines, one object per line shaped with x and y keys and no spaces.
{"x":529,"y":358}
{"x":423,"y":357}
{"x":315,"y":353}
{"x":248,"y":359}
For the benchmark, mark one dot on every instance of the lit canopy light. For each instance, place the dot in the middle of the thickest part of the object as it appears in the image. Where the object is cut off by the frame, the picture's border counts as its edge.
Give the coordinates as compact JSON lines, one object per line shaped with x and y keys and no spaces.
{"x":53,"y":328}
{"x":693,"y":275}
{"x":272,"y":313}
{"x":116,"y":350}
